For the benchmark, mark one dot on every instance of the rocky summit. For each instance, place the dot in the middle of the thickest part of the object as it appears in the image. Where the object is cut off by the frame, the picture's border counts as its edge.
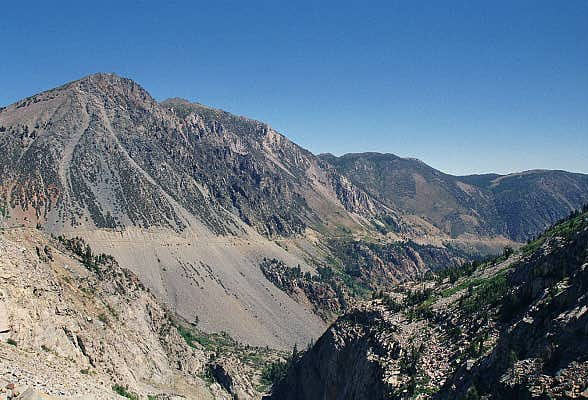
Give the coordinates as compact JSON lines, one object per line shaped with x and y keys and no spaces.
{"x":173,"y":250}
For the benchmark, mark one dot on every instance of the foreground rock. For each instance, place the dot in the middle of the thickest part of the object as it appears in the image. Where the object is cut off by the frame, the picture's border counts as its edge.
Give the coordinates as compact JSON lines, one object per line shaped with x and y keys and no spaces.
{"x":76,"y":325}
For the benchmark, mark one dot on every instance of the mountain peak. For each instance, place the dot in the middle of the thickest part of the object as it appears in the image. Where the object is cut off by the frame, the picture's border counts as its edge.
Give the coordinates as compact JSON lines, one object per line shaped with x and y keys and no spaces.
{"x":114,"y":89}
{"x":102,"y":79}
{"x":176,"y":100}
{"x":102,"y":76}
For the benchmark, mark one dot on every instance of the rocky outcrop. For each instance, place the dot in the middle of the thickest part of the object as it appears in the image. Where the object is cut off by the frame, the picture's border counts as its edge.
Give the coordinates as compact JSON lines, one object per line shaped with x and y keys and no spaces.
{"x":544,"y":351}
{"x":342,"y":364}
{"x":326,"y":292}
{"x":356,"y":269}
{"x":77,"y":324}
{"x":380,"y":265}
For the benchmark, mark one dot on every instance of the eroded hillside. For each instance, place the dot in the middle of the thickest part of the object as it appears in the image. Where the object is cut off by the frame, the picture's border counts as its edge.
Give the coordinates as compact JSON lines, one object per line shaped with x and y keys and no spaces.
{"x":74,"y":324}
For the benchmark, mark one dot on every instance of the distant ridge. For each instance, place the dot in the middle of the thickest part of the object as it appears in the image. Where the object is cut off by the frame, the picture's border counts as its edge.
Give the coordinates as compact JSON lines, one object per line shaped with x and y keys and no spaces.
{"x":517,"y":205}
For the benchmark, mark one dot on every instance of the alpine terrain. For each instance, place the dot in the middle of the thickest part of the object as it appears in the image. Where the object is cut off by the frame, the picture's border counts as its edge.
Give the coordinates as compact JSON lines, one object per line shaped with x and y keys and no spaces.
{"x":173,"y":250}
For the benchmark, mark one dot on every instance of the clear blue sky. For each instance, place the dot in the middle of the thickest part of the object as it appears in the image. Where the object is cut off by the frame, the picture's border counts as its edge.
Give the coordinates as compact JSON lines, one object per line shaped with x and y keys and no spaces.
{"x":466,"y":86}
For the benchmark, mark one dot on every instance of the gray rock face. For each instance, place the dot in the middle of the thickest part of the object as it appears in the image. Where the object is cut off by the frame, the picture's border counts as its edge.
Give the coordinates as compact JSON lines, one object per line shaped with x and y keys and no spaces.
{"x":544,"y":351}
{"x":100,"y":152}
{"x":74,"y":332}
{"x":340,"y":364}
{"x":78,"y":325}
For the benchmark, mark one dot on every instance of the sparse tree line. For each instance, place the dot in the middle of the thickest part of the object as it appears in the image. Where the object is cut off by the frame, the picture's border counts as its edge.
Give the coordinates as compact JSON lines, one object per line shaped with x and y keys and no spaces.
{"x":83,"y":250}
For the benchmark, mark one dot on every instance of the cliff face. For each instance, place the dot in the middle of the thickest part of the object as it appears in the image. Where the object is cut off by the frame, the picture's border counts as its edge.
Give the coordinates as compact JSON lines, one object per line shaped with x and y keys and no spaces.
{"x":342,"y":364}
{"x":511,"y":328}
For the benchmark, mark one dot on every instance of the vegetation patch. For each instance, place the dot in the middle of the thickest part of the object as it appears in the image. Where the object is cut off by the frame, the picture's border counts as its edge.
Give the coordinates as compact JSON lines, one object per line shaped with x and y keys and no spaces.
{"x":124,"y":392}
{"x":484,"y":293}
{"x":273,"y":373}
{"x":257,"y":358}
{"x":565,"y":228}
{"x":83,"y":251}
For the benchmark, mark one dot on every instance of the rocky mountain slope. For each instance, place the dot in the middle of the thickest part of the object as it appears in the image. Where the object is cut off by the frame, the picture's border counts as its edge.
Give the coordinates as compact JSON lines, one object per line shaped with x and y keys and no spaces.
{"x":193,"y":199}
{"x":74,"y":324}
{"x":511,"y":328}
{"x":518,"y":206}
{"x":185,"y":196}
{"x":102,"y":153}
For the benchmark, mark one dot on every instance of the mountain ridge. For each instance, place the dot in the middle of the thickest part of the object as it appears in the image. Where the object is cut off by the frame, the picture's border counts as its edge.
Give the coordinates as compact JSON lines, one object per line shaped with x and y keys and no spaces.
{"x":192,"y":199}
{"x":481,"y":203}
{"x":101,"y":159}
{"x":123,"y":94}
{"x":328,"y":155}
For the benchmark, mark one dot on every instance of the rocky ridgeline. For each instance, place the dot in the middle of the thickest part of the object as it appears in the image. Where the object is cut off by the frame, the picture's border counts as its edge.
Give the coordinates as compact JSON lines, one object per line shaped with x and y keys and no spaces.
{"x":74,"y":324}
{"x":101,"y":152}
{"x":511,"y":328}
